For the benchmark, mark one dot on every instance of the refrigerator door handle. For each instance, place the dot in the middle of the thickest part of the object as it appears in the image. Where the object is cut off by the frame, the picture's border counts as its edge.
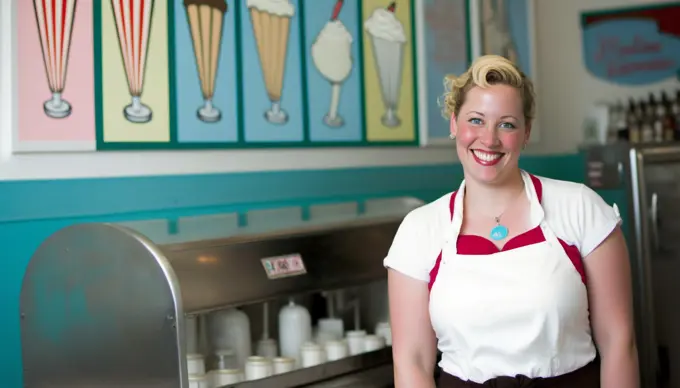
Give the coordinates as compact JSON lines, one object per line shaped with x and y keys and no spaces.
{"x":654,"y":218}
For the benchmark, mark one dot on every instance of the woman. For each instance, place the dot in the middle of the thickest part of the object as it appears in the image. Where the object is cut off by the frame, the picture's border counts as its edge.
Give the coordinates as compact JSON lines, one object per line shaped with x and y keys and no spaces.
{"x":515,"y":278}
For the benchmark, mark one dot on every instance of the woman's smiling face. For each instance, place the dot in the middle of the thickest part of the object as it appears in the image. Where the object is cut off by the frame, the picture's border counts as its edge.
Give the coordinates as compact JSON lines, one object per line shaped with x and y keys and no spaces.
{"x":490,"y":133}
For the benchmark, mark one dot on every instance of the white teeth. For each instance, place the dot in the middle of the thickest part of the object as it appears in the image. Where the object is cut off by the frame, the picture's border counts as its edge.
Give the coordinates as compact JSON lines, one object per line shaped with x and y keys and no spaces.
{"x":487,"y":157}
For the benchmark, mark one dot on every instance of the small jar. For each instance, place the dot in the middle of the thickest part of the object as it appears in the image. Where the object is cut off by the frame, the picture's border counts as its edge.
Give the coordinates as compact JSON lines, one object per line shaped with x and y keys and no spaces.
{"x":198,"y":381}
{"x":195,"y":364}
{"x":222,"y":377}
{"x":384,"y":330}
{"x":283,"y":364}
{"x":258,"y":368}
{"x":312,"y":354}
{"x":336,"y":350}
{"x":355,"y":341}
{"x":373,"y":343}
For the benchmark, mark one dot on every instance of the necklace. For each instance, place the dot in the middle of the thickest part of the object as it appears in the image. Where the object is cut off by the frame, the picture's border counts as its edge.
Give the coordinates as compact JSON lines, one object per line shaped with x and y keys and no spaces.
{"x":500,"y":231}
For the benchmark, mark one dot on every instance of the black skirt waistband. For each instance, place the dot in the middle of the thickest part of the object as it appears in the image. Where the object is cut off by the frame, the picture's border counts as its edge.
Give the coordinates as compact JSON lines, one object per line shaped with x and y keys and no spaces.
{"x":586,"y":377}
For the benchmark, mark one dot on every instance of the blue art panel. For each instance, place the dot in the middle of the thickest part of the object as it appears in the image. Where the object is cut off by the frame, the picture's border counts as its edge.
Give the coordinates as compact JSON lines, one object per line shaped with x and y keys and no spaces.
{"x":446,"y":45}
{"x":198,"y":74}
{"x":502,"y":19}
{"x":272,"y":95}
{"x":340,"y":87}
{"x":518,"y":18}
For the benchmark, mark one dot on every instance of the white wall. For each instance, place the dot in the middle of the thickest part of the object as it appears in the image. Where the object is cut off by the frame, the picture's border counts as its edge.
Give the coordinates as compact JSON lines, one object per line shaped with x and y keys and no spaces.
{"x":565,"y":91}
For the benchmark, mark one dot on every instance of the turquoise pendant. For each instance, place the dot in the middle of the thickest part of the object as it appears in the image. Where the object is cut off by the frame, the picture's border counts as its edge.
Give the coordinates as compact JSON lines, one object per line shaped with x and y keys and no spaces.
{"x":499,"y":232}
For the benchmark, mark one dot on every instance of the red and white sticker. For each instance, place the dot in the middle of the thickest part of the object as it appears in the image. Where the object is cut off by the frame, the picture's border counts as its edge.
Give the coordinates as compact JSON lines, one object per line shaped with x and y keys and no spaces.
{"x":284,"y":266}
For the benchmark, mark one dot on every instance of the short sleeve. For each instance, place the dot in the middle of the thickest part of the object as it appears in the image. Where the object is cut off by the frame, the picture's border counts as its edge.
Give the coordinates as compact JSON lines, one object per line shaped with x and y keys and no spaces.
{"x":596,"y":220}
{"x":405,"y":254}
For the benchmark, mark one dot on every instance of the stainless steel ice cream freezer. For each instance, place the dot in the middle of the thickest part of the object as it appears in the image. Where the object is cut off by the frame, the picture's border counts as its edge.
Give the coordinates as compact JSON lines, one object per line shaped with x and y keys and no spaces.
{"x":104,"y":304}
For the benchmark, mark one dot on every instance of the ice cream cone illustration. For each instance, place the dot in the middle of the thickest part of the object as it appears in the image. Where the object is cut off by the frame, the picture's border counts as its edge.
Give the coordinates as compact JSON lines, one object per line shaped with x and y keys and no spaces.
{"x":331,"y":53}
{"x":271,"y":26}
{"x":133,"y":25}
{"x":388,"y":38}
{"x":206,"y":19}
{"x":55,"y":26}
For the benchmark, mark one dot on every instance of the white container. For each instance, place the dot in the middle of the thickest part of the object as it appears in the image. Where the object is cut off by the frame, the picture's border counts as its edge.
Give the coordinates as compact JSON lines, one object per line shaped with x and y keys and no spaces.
{"x":312,"y":354}
{"x":373,"y":343}
{"x":222,"y":377}
{"x":283,"y":365}
{"x":230,"y":329}
{"x":336,"y":350}
{"x":198,"y":381}
{"x":295,"y":328}
{"x":191,"y":333}
{"x":332,"y":326}
{"x":195,"y":364}
{"x":355,"y":341}
{"x":225,"y":359}
{"x":258,"y":368}
{"x":384,"y":330}
{"x":321,"y":336}
{"x":267,"y":348}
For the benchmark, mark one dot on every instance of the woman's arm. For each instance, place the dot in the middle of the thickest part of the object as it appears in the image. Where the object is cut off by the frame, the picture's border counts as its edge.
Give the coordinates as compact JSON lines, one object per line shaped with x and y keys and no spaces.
{"x":611,"y":311}
{"x":414,"y":348}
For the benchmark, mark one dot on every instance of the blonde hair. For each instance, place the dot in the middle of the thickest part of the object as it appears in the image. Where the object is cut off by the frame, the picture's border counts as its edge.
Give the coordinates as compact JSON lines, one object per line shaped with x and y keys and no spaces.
{"x":486,"y":71}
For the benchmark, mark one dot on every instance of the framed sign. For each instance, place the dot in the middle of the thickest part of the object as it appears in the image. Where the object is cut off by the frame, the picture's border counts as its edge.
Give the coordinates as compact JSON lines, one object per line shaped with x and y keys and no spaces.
{"x":444,"y":48}
{"x":633,"y":46}
{"x":506,"y":28}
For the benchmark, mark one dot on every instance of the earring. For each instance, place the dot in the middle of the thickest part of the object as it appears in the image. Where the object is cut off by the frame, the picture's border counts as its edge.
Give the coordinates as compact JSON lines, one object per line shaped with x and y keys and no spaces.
{"x":524,"y":146}
{"x":452,"y":136}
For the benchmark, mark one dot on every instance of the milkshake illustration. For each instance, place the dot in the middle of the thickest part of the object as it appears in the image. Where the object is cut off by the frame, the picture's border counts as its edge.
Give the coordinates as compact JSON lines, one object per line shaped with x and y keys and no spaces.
{"x":55,"y":26}
{"x":387,"y":40}
{"x":133,"y":24}
{"x":496,"y":36}
{"x":271,"y":27}
{"x":331,"y":53}
{"x":206,"y":20}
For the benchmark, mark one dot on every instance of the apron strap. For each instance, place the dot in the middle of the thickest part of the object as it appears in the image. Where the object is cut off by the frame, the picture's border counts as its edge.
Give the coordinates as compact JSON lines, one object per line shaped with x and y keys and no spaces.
{"x":435,"y":270}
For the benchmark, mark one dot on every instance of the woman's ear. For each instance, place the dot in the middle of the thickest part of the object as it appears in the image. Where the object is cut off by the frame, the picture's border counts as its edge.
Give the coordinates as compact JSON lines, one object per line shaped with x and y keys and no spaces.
{"x":453,"y":126}
{"x":527,"y":133}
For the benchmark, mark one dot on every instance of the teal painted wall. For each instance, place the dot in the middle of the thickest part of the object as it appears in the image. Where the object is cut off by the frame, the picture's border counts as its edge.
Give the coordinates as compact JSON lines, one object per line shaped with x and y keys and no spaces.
{"x":32,"y":210}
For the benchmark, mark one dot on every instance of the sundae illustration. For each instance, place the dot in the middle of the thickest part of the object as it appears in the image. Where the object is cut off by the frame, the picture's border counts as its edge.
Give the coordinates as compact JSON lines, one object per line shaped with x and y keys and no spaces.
{"x":388,"y":38}
{"x":55,"y":25}
{"x":496,"y":36}
{"x":271,"y":26}
{"x":206,"y":19}
{"x":331,"y":53}
{"x":133,"y":24}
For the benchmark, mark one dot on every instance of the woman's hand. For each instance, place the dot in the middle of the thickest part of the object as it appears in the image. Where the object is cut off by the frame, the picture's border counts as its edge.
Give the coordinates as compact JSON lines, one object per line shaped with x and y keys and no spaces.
{"x":611,"y":312}
{"x":414,"y":348}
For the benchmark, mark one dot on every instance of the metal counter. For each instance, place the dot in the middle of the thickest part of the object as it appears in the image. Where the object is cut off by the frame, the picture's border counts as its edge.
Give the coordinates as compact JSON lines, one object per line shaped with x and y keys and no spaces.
{"x":103,"y":304}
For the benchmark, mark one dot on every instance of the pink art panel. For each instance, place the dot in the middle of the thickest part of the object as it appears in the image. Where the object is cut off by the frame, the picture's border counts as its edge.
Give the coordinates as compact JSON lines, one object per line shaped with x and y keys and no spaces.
{"x":55,"y":71}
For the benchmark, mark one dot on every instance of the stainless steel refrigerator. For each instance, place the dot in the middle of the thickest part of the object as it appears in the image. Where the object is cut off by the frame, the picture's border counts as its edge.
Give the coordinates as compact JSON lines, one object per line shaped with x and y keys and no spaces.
{"x":645,"y":180}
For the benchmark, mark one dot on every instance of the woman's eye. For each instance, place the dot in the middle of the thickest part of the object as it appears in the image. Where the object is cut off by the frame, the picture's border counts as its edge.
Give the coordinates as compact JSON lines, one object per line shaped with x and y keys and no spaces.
{"x":475,"y":121}
{"x":507,"y":125}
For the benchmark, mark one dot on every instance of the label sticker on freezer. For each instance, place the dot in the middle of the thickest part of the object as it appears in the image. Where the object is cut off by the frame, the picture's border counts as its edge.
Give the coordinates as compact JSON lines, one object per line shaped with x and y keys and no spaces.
{"x":284,"y":266}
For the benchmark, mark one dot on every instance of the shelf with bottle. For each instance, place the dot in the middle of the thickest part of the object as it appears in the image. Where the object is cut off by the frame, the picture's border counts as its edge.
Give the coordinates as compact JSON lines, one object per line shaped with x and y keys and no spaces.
{"x":655,"y":119}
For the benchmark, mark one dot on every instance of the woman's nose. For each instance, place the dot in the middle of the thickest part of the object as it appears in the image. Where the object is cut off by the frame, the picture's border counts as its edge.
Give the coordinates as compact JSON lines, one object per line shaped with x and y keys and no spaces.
{"x":489,"y":136}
